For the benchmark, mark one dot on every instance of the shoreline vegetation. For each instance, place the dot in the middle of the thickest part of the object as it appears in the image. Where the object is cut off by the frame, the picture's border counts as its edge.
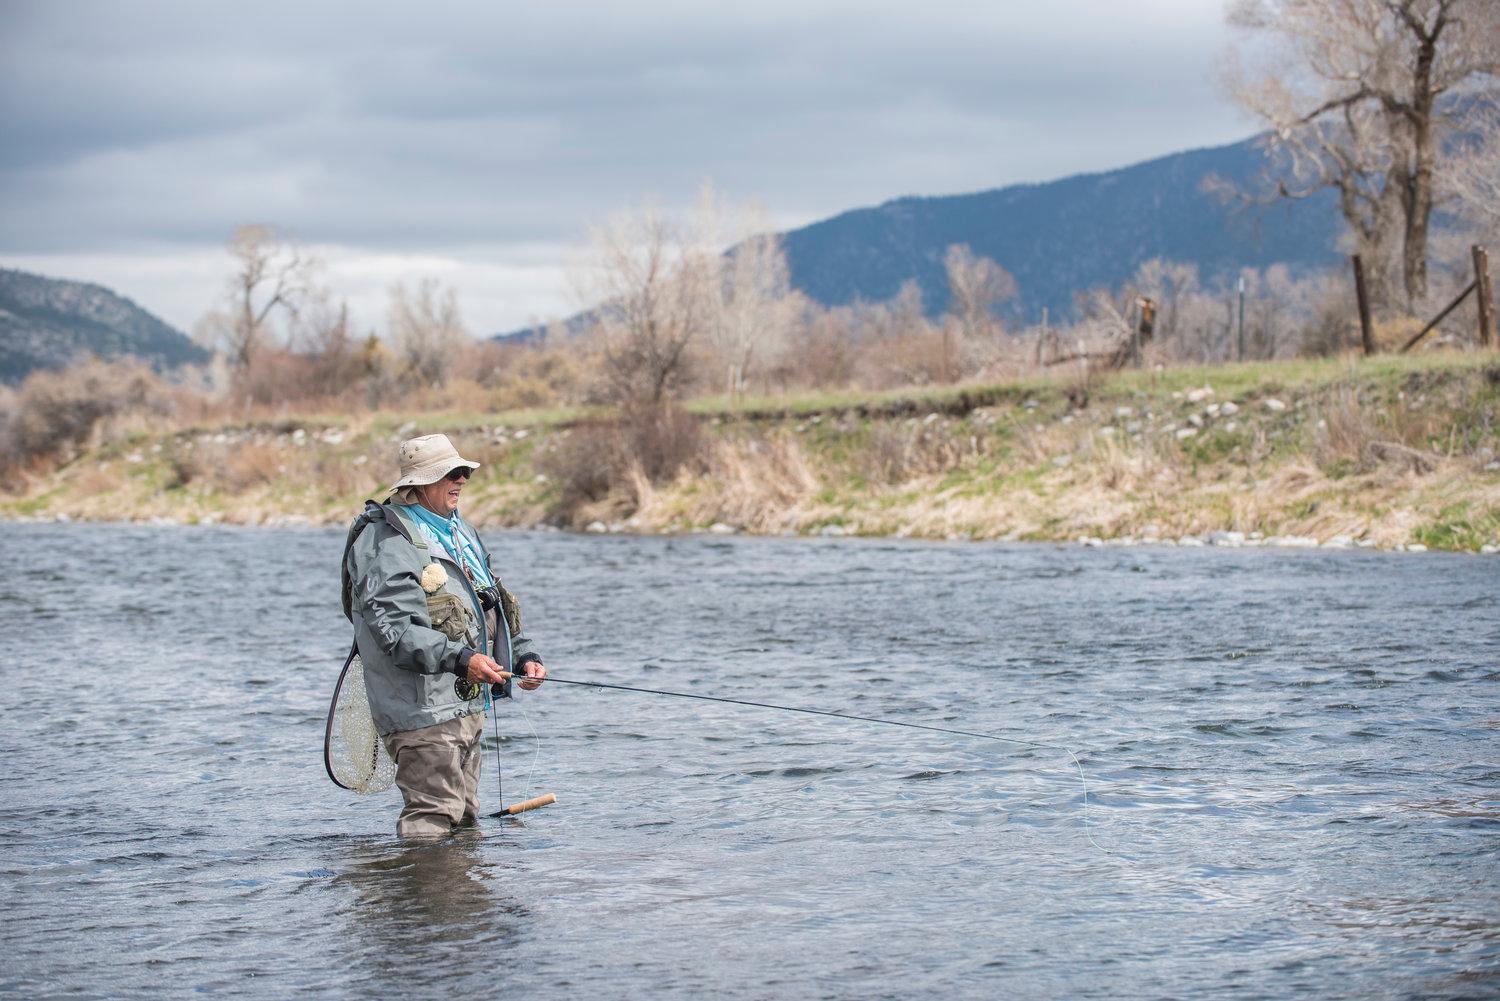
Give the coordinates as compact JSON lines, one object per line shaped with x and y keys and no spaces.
{"x":1387,"y":452}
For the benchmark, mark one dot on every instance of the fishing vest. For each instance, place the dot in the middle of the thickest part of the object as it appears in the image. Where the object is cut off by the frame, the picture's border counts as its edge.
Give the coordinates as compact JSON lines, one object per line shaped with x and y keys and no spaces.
{"x":451,"y":614}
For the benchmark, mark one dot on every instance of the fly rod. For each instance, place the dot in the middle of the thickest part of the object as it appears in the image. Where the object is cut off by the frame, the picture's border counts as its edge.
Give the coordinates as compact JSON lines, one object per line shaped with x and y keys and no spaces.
{"x":506,"y":675}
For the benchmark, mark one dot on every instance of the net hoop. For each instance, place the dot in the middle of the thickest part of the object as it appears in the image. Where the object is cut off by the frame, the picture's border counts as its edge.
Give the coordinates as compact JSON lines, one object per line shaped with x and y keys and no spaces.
{"x":353,"y":754}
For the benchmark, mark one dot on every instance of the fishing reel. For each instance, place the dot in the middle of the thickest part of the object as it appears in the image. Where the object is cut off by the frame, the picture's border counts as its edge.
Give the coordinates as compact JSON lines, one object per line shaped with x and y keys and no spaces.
{"x":489,"y":597}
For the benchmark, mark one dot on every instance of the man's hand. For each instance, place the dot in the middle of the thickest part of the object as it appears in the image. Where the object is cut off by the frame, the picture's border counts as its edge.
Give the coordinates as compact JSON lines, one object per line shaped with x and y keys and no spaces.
{"x":534,"y":670}
{"x":484,"y":670}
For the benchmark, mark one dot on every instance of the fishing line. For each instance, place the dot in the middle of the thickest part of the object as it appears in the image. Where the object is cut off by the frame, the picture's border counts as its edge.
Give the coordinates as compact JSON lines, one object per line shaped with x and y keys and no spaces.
{"x":537,"y":738}
{"x":860,"y":719}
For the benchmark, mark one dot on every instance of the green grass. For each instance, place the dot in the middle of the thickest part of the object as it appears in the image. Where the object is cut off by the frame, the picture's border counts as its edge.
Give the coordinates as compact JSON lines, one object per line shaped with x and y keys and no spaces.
{"x":1456,"y":527}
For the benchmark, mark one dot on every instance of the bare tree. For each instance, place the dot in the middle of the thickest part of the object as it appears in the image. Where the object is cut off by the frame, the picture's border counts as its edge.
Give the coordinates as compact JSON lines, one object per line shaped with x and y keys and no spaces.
{"x":976,"y":285}
{"x":426,"y":329}
{"x":1473,"y":173}
{"x":752,"y":308}
{"x":273,"y":275}
{"x":653,"y":290}
{"x":1360,"y":97}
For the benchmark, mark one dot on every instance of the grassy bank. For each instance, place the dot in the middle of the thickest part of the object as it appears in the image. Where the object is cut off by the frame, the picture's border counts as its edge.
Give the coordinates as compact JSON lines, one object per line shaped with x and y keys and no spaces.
{"x":1387,"y":452}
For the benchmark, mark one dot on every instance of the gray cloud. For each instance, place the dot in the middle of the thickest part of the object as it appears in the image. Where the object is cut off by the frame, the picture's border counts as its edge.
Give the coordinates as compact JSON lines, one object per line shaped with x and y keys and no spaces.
{"x":430,"y":129}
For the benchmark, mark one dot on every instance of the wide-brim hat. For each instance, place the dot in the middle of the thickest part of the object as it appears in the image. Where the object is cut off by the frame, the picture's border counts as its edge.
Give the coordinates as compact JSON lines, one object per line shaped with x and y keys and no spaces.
{"x":428,"y":459}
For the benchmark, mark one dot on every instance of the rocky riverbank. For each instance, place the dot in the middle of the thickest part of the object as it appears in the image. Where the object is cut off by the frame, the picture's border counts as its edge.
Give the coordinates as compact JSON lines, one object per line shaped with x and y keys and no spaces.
{"x":1393,"y":453}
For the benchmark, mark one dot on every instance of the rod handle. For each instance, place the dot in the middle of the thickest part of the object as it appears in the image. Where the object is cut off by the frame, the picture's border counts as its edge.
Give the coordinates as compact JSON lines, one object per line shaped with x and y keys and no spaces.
{"x":546,"y":799}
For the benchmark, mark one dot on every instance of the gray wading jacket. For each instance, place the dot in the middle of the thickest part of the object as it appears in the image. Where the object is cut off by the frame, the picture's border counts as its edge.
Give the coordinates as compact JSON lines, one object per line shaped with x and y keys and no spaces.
{"x":411,"y":669}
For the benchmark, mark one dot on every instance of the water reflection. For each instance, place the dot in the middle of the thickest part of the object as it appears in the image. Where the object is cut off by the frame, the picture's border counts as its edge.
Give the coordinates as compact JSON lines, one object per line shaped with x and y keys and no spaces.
{"x":427,"y":900}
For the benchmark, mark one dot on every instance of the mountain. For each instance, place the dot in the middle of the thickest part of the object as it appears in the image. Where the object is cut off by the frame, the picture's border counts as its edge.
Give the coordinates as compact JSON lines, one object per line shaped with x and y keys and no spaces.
{"x":1063,"y":237}
{"x":1066,"y":236}
{"x":48,"y":322}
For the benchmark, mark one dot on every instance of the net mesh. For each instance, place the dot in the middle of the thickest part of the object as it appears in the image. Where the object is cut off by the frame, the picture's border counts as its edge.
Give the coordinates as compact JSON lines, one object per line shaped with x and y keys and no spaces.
{"x":357,"y":757}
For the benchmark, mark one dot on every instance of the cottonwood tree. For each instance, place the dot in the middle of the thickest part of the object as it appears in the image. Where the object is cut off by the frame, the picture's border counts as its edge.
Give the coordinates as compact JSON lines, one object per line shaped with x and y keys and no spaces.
{"x":426,"y":329}
{"x":749,"y":310}
{"x":976,"y":285}
{"x":653,"y":288}
{"x":1473,"y":174}
{"x":1361,"y":96}
{"x":273,"y":277}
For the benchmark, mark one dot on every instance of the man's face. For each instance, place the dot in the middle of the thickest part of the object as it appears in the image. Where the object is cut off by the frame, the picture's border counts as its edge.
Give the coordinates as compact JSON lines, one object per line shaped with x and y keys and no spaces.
{"x":442,"y":496}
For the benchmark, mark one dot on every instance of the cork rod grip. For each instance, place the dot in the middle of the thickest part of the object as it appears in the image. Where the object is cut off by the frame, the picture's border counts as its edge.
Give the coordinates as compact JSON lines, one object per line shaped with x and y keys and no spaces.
{"x":546,"y":799}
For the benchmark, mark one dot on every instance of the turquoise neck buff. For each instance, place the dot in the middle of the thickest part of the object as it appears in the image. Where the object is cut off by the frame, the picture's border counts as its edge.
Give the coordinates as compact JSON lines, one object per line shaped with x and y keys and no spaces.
{"x":452,"y":534}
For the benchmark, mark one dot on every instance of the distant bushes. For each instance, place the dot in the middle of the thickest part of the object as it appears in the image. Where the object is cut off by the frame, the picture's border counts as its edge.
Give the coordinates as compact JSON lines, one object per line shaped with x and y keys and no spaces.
{"x":54,"y":414}
{"x":649,"y":443}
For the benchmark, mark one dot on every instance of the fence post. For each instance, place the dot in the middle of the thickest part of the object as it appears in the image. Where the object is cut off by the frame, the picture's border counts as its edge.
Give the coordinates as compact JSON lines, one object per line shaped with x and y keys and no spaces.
{"x":1484,"y":295}
{"x":1366,"y":334}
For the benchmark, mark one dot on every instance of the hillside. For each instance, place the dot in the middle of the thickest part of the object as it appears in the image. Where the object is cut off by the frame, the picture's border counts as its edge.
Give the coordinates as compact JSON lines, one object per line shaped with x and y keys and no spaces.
{"x":1066,"y":236}
{"x":48,"y":323}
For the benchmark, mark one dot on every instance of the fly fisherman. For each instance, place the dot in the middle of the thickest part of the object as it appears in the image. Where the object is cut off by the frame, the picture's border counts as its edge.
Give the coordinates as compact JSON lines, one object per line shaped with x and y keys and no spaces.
{"x":434,"y":627}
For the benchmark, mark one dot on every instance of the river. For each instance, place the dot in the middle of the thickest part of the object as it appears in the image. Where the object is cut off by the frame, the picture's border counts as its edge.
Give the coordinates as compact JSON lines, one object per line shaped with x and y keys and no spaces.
{"x":1292,"y":763}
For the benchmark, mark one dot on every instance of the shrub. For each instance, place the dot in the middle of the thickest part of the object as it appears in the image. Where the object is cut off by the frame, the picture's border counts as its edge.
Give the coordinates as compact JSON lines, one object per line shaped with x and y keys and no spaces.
{"x":649,"y":441}
{"x":54,"y":413}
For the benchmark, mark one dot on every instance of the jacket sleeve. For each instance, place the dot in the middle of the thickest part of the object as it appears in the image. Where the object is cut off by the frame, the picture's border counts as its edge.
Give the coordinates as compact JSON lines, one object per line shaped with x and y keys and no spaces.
{"x":389,"y":600}
{"x":522,"y":650}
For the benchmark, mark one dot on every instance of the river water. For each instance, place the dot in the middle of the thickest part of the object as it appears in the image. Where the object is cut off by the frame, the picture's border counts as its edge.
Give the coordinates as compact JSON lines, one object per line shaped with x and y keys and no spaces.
{"x":1292,"y":763}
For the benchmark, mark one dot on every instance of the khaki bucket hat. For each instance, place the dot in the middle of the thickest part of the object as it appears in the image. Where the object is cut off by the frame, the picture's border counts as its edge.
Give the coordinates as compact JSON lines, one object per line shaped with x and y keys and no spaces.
{"x":428,"y":459}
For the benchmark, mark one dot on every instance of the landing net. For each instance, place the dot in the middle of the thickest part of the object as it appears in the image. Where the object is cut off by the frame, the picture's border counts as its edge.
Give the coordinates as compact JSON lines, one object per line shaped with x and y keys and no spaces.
{"x":353,"y":752}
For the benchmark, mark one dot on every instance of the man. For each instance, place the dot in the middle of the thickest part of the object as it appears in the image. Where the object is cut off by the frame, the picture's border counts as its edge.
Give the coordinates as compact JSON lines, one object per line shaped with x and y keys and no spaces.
{"x":434,"y":627}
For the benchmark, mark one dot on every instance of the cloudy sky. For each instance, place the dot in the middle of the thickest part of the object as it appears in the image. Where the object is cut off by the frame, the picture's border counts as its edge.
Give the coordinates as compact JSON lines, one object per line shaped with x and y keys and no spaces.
{"x":476,"y":144}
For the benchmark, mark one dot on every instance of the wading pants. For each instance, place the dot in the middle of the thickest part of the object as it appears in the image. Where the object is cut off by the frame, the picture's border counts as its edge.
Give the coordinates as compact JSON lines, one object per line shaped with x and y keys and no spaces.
{"x":437,"y":771}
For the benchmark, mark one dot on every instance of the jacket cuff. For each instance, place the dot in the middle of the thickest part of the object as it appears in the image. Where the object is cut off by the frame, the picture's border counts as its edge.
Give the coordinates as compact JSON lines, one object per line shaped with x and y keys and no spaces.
{"x":524,"y":659}
{"x":465,"y":654}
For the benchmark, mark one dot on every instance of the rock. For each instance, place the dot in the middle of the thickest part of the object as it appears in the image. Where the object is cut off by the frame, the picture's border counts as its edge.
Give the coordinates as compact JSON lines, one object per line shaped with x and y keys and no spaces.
{"x":1195,"y":420}
{"x":1228,"y":409}
{"x":719,"y":528}
{"x":832,"y":531}
{"x":1230,"y":426}
{"x":1124,"y":411}
{"x":1274,"y":405}
{"x":1199,"y":395}
{"x":1185,"y":433}
{"x":1487,"y":549}
{"x":597,"y":527}
{"x":615,"y":528}
{"x":520,"y":433}
{"x":1107,"y":432}
{"x":1062,"y":460}
{"x":1338,"y":542}
{"x":1232,"y":539}
{"x":1190,"y":540}
{"x":1490,"y":467}
{"x":1416,"y":547}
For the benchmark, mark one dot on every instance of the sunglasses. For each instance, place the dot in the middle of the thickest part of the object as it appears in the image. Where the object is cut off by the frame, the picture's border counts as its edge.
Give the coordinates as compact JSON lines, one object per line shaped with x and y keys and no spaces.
{"x":459,"y":473}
